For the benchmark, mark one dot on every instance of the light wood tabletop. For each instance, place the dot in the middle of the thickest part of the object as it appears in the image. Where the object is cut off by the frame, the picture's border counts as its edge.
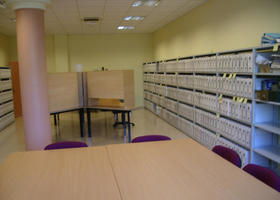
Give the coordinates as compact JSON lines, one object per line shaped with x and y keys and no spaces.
{"x":166,"y":170}
{"x":181,"y":169}
{"x":69,"y":174}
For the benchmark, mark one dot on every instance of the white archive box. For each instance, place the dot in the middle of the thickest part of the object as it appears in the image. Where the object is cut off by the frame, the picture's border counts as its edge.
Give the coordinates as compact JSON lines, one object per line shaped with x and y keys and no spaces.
{"x":181,"y":66}
{"x":186,"y":111}
{"x":159,"y":89}
{"x":6,"y":96}
{"x":5,"y":73}
{"x":189,"y":65}
{"x":158,"y":110}
{"x":5,"y":85}
{"x":171,"y":66}
{"x":5,"y":108}
{"x":171,"y":105}
{"x":185,"y":96}
{"x":157,"y":78}
{"x":6,"y":120}
{"x":172,"y":92}
{"x":207,"y":138}
{"x":162,"y":78}
{"x":161,"y":67}
{"x":235,"y":131}
{"x":171,"y":80}
{"x":148,"y":105}
{"x":172,"y":119}
{"x":206,"y":119}
{"x":186,"y":126}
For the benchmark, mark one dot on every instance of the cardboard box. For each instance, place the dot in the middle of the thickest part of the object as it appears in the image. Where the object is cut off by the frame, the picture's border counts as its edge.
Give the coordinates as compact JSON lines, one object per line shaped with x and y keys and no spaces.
{"x":262,"y":95}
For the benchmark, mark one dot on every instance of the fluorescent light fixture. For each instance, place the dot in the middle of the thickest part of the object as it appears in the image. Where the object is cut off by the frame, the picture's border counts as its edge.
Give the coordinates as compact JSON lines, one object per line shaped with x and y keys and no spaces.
{"x":134,"y":18}
{"x":126,"y":27}
{"x":150,"y":3}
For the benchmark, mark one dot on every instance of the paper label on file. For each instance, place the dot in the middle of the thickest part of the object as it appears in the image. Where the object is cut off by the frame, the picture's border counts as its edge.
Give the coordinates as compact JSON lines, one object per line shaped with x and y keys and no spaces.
{"x":230,"y":76}
{"x":225,"y":75}
{"x":275,"y":47}
{"x":233,"y":99}
{"x":234,"y":75}
{"x":240,"y":100}
{"x":219,"y":135}
{"x":245,"y":100}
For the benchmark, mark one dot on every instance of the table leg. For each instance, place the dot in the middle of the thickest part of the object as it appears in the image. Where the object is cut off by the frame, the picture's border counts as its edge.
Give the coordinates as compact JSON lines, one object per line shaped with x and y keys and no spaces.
{"x":54,"y":119}
{"x":129,"y":128}
{"x":82,"y":122}
{"x":124,"y":127}
{"x":89,"y":122}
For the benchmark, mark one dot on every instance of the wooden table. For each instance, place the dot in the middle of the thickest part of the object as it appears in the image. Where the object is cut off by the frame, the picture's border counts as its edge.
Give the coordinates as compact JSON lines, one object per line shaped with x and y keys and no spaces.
{"x":181,"y":169}
{"x":70,"y":174}
{"x":167,"y":170}
{"x":124,"y":111}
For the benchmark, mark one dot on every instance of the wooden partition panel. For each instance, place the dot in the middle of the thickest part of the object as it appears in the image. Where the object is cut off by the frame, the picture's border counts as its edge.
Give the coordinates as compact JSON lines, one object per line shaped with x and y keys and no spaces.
{"x":110,"y":88}
{"x":64,"y":91}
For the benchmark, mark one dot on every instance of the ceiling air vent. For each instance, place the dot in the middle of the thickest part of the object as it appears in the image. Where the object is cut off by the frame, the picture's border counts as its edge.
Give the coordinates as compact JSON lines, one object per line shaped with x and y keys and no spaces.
{"x":91,"y":20}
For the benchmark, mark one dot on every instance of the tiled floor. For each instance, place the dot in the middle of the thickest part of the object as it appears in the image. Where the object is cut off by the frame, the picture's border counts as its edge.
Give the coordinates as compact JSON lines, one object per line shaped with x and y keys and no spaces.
{"x":12,"y":138}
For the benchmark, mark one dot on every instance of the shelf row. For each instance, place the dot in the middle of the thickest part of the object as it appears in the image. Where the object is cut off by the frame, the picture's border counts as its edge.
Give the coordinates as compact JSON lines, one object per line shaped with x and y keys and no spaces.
{"x":236,"y":132}
{"x":196,"y":131}
{"x":234,"y":109}
{"x":233,"y":86}
{"x":225,"y":63}
{"x":5,"y":73}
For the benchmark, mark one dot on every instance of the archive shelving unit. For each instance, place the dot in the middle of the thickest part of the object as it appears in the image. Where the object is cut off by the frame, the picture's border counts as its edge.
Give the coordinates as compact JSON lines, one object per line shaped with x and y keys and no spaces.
{"x":6,"y":98}
{"x":211,"y":98}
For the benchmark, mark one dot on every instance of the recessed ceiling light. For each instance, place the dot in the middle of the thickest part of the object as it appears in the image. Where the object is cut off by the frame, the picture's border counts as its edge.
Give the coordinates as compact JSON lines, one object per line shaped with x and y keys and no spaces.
{"x":134,"y":18}
{"x":126,"y":27}
{"x":149,"y":3}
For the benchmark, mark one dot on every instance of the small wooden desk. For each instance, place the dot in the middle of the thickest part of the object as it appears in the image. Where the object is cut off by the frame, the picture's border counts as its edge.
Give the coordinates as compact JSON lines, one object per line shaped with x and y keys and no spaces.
{"x":123,"y":111}
{"x":70,"y":174}
{"x":181,"y":169}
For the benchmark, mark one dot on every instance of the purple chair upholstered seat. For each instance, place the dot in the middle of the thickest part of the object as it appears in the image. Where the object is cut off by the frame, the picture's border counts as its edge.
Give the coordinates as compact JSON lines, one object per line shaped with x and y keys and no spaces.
{"x":65,"y":145}
{"x":264,"y":174}
{"x":150,"y":138}
{"x":228,"y":154}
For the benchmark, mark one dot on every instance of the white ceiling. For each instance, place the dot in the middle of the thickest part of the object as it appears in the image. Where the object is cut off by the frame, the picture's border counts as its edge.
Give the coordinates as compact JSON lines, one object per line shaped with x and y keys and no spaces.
{"x":64,"y":16}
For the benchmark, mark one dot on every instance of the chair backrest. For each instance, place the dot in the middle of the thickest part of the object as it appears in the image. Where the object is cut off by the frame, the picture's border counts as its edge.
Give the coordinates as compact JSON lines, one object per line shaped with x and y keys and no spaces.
{"x":150,"y":138}
{"x":228,"y":154}
{"x":264,"y":174}
{"x":65,"y":145}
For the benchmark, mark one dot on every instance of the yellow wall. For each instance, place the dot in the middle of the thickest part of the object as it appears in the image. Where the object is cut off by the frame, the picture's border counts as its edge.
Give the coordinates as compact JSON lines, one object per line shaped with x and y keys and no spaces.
{"x":217,"y":25}
{"x":115,"y":52}
{"x":4,"y":50}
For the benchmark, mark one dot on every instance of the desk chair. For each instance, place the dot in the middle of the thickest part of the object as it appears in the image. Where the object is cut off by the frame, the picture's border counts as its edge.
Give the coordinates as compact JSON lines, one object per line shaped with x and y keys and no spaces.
{"x":264,"y":174}
{"x":150,"y":138}
{"x":228,"y":154}
{"x":65,"y":145}
{"x":116,"y":117}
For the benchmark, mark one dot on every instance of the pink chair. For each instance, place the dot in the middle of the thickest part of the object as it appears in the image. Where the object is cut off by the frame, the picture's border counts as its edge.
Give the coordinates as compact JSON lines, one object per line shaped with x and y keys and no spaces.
{"x":65,"y":145}
{"x":228,"y":154}
{"x":264,"y":174}
{"x":150,"y":138}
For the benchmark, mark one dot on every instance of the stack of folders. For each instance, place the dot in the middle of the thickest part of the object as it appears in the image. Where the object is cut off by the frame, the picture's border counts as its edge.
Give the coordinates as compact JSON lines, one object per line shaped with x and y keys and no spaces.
{"x":270,"y":38}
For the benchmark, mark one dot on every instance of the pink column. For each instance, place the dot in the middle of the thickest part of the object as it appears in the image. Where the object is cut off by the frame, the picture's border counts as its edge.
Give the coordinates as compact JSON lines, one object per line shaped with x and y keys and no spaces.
{"x":33,"y":77}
